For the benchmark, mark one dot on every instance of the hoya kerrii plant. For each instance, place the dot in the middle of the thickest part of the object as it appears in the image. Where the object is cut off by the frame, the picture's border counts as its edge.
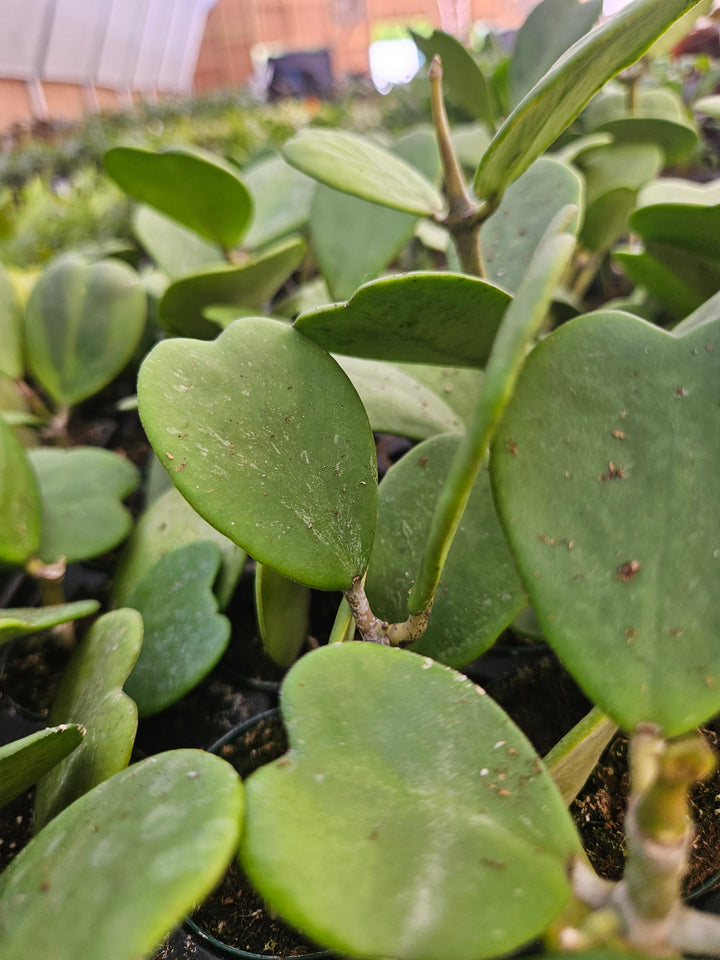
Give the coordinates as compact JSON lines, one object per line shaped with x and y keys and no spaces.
{"x":410,"y":817}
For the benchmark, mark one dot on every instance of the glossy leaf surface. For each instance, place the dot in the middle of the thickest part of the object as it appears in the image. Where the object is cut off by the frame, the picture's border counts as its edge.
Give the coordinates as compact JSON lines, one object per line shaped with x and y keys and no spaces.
{"x":81,"y":490}
{"x":356,"y":822}
{"x":168,"y":523}
{"x":283,"y":614}
{"x":551,"y":28}
{"x":90,"y":694}
{"x":512,"y":234}
{"x":352,"y":164}
{"x":273,"y":444}
{"x":184,"y":634}
{"x":20,"y":503}
{"x":118,"y":869}
{"x":182,"y":310}
{"x":440,"y":318}
{"x":479,"y":592}
{"x":20,"y":621}
{"x":603,"y":500}
{"x":82,"y":325}
{"x":566,"y":88}
{"x":23,"y":762}
{"x":198,"y":190}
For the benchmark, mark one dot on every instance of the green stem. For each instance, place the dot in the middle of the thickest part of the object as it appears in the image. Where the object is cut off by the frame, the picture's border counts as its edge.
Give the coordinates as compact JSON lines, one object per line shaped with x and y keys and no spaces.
{"x":521,"y":322}
{"x":465,"y":215}
{"x":572,"y":759}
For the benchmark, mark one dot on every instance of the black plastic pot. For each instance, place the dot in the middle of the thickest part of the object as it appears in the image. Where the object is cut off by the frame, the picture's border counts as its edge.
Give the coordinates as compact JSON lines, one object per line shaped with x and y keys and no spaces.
{"x":247,"y":746}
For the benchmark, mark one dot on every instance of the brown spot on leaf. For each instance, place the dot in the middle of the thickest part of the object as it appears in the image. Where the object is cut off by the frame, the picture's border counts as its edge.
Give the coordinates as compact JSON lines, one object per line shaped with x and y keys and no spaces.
{"x":618,"y":434}
{"x":628,"y":570}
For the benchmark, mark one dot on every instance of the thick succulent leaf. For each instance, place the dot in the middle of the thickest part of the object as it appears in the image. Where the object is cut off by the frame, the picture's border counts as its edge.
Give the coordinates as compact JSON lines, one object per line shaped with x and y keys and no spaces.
{"x":457,"y":386}
{"x":281,"y":201}
{"x":168,"y":523}
{"x":82,"y":325}
{"x":182,"y":310}
{"x":694,"y":227}
{"x":470,"y":141}
{"x":680,"y":280}
{"x":442,"y":318}
{"x":118,"y":869}
{"x":710,"y":106}
{"x":175,"y":249}
{"x":184,"y":634}
{"x":273,"y":445}
{"x":603,"y":468}
{"x":12,"y":361}
{"x":20,"y":504}
{"x":396,"y":402}
{"x":348,"y":258}
{"x":614,"y":175}
{"x":512,"y":234}
{"x":658,"y":117}
{"x":554,"y":102}
{"x":82,"y":489}
{"x":283,"y":614}
{"x":479,"y":592}
{"x":23,"y":762}
{"x":464,"y":83}
{"x":549,"y":30}
{"x":198,"y":190}
{"x":709,"y":312}
{"x":407,"y":798}
{"x":354,"y":165}
{"x":20,"y":621}
{"x":90,"y":694}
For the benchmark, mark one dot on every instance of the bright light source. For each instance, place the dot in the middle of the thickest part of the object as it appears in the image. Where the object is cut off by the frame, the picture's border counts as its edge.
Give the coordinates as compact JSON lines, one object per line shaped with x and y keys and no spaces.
{"x":393,"y":61}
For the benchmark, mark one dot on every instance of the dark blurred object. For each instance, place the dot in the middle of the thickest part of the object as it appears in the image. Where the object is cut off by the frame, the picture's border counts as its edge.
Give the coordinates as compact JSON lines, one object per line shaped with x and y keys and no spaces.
{"x":703,"y":38}
{"x":302,"y":74}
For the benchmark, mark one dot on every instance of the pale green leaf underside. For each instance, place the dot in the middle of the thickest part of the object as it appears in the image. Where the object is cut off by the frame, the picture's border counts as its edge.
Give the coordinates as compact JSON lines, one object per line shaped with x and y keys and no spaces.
{"x":283,"y":614}
{"x":352,"y":164}
{"x":389,"y":806}
{"x":23,"y":762}
{"x":19,"y":621}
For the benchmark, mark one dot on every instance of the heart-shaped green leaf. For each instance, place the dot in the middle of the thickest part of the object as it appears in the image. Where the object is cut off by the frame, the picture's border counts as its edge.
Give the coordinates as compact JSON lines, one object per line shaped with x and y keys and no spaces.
{"x":441,"y":318}
{"x":120,"y":867}
{"x":464,"y":83}
{"x":614,"y":174}
{"x":479,"y":592}
{"x":658,"y":117}
{"x":23,"y":762}
{"x":182,"y":310}
{"x":175,"y":249}
{"x":82,"y":325}
{"x":602,"y":468}
{"x":82,"y":489}
{"x":511,"y":235}
{"x":20,"y":503}
{"x":198,"y":190}
{"x":407,"y":798}
{"x":273,"y":445}
{"x":281,"y":201}
{"x":12,"y":361}
{"x":20,"y":621}
{"x":551,"y":28}
{"x":90,"y":694}
{"x":354,"y":165}
{"x":168,"y":523}
{"x":557,"y":98}
{"x":396,"y":402}
{"x":347,"y":258}
{"x":184,"y":634}
{"x":283,"y":613}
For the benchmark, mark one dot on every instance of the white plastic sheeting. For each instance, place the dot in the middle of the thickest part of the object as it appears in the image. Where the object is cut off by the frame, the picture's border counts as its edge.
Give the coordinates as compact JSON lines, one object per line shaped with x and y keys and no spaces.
{"x":145,"y":45}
